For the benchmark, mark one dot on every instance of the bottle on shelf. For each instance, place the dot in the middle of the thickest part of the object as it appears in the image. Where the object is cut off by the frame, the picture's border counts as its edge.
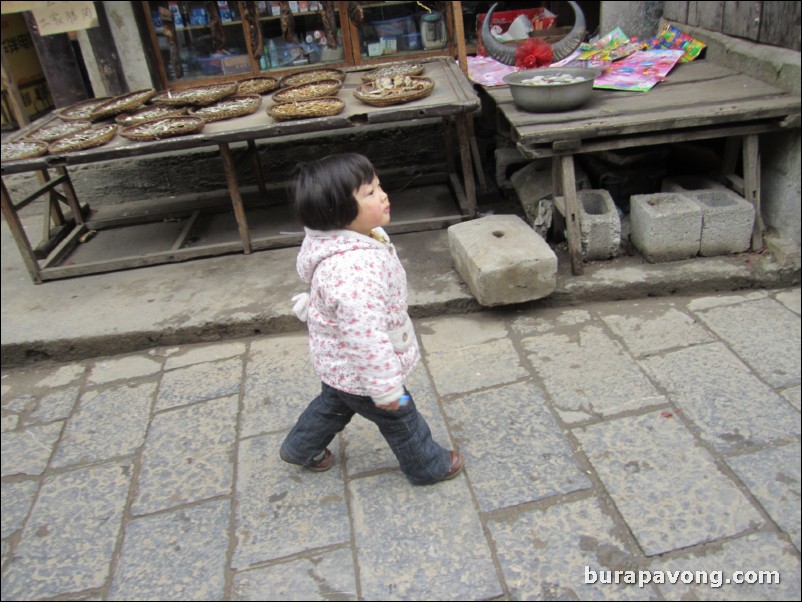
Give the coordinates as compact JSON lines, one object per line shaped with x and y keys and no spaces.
{"x":272,"y":53}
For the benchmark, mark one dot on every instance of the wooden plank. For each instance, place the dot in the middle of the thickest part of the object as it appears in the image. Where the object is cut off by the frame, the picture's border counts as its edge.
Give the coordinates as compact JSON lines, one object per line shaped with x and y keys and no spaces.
{"x":676,"y":11}
{"x":184,"y":234}
{"x":742,"y":19}
{"x":751,"y":160}
{"x":571,"y":200}
{"x":236,"y":199}
{"x":780,"y":25}
{"x":669,"y":120}
{"x":710,"y":15}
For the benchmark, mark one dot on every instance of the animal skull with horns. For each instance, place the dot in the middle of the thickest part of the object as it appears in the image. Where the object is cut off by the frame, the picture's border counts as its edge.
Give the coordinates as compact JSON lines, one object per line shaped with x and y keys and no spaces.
{"x":506,"y":54}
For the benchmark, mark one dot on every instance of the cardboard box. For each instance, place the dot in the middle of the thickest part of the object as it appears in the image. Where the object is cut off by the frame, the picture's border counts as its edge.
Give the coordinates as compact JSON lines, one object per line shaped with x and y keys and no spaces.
{"x":240,"y":63}
{"x":539,"y":17}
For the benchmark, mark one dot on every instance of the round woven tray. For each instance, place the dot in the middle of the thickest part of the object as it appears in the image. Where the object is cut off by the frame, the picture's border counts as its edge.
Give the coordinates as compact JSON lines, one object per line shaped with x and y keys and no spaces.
{"x":201,"y":96}
{"x":307,"y":77}
{"x":121,"y":104}
{"x":23,"y":149}
{"x":233,"y":106}
{"x":393,"y":70}
{"x":319,"y":89}
{"x":58,"y":130}
{"x":82,"y":140}
{"x":305,"y":109}
{"x":257,"y":85}
{"x":149,"y":114}
{"x":407,"y":89}
{"x":164,"y":128}
{"x":80,"y":110}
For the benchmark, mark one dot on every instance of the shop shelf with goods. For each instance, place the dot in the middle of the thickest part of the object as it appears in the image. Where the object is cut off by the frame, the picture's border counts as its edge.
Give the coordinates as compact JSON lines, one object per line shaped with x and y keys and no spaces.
{"x":393,"y":31}
{"x":198,"y":43}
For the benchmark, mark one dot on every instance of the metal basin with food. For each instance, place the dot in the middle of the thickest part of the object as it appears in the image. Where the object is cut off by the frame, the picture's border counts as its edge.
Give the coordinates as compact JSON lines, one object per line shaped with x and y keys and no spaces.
{"x":551,"y":89}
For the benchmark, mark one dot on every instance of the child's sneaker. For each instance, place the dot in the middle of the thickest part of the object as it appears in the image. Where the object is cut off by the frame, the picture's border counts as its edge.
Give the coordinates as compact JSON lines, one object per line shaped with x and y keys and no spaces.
{"x":320,"y":463}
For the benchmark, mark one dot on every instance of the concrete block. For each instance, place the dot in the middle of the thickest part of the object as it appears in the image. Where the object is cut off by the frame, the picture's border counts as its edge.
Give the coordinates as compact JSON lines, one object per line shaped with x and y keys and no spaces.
{"x":502,"y":260}
{"x":599,"y":224}
{"x":666,"y":226}
{"x":691,"y":182}
{"x":508,"y":160}
{"x":727,"y":220}
{"x":533,"y":187}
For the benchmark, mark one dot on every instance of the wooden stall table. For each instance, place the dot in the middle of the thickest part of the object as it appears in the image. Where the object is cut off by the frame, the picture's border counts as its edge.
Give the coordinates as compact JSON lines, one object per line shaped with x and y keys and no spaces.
{"x":699,"y":100}
{"x":453,"y":100}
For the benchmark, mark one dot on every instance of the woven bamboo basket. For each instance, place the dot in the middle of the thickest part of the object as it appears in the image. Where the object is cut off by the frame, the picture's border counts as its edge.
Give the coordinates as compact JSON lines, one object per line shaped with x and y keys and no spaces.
{"x":257,"y":85}
{"x":318,"y":89}
{"x":307,"y":77}
{"x":80,"y":110}
{"x":58,"y":130}
{"x":149,"y":114}
{"x":164,"y":128}
{"x":23,"y":149}
{"x":414,"y":88}
{"x":233,"y":106}
{"x":306,"y":109}
{"x":201,"y":96}
{"x":393,"y":70}
{"x":121,"y":104}
{"x":82,"y":140}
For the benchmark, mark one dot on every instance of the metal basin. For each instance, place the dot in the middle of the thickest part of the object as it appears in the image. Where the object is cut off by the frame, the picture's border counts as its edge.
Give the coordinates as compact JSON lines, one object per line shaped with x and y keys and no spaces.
{"x":561,"y":95}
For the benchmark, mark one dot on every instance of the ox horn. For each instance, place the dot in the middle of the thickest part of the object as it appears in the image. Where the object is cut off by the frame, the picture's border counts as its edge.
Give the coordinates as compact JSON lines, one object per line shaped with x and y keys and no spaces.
{"x":506,"y":54}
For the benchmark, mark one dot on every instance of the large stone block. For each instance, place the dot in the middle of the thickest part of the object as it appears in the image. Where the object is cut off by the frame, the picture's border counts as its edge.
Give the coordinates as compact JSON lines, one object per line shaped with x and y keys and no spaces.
{"x":666,"y":226}
{"x":599,"y":224}
{"x":727,"y":220}
{"x":502,"y":260}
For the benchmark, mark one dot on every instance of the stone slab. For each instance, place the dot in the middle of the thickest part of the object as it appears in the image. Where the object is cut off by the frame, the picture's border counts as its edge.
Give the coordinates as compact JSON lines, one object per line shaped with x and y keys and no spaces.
{"x":502,"y":260}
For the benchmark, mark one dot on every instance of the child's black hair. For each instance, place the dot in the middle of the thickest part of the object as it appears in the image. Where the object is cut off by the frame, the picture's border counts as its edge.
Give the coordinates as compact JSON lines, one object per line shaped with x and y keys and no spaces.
{"x":324,"y":190}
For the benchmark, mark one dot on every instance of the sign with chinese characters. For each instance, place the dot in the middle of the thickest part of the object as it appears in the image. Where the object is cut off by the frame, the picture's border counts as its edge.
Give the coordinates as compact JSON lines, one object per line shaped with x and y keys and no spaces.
{"x":61,"y":17}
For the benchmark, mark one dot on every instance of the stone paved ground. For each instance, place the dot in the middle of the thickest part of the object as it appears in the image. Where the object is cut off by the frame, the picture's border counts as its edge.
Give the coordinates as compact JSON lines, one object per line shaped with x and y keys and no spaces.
{"x":658,"y":435}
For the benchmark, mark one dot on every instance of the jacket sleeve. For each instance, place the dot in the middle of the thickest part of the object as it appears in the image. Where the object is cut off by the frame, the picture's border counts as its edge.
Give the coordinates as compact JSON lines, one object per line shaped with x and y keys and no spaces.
{"x":363,"y":316}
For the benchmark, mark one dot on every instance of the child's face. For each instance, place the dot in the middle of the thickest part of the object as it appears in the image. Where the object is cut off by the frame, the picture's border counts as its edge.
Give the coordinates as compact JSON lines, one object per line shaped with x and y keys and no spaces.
{"x":374,"y":208}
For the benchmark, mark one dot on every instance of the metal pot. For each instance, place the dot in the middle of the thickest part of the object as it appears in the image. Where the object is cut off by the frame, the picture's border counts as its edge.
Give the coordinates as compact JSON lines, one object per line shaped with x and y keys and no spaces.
{"x":546,"y":98}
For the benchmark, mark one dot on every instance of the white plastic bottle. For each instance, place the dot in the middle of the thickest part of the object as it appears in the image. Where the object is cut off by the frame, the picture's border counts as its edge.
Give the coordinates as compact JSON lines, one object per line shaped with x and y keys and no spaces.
{"x":272,"y":53}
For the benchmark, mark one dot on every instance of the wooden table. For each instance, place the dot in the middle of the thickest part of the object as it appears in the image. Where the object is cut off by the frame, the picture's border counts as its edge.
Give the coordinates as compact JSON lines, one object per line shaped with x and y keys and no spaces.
{"x":453,"y":100}
{"x":699,"y":100}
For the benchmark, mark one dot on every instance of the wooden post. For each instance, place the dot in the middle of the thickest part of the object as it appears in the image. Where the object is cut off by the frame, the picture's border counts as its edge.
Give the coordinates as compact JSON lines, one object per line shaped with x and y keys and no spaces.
{"x":106,"y":55}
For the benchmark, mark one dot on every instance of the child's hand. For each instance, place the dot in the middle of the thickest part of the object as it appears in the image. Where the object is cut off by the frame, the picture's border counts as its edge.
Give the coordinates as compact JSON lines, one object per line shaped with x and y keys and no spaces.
{"x":401,"y":401}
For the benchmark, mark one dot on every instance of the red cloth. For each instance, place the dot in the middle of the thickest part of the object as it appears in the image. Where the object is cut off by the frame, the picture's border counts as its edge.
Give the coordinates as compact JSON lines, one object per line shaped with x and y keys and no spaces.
{"x":533,"y":53}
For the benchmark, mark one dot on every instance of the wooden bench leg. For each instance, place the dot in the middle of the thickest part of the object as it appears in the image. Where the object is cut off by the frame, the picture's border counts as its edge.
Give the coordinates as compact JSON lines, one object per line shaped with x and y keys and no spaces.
{"x":236,"y":198}
{"x":751,"y":161}
{"x":564,"y":179}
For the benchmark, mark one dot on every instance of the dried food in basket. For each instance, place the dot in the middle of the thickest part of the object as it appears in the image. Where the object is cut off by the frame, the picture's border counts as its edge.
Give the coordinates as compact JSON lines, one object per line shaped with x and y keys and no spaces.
{"x":149,"y":114}
{"x":306,"y":77}
{"x":121,"y":104}
{"x":318,"y":89}
{"x":82,"y":140}
{"x":23,"y":149}
{"x":200,"y":96}
{"x":305,"y":109}
{"x":393,"y":70}
{"x":164,"y":128}
{"x":387,"y":91}
{"x":55,"y":131}
{"x":233,"y":106}
{"x":80,"y":110}
{"x":257,"y":85}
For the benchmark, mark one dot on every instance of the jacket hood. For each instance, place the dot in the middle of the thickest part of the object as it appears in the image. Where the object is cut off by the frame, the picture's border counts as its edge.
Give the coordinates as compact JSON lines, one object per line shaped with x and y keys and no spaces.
{"x":319,"y":245}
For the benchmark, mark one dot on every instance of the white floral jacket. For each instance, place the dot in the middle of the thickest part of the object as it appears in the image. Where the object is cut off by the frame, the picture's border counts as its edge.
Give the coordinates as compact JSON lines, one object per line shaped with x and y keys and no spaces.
{"x":360,"y":336}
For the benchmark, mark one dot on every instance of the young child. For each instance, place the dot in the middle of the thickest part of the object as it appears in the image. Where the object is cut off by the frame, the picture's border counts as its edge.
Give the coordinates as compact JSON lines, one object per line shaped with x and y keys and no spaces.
{"x":361,"y":339}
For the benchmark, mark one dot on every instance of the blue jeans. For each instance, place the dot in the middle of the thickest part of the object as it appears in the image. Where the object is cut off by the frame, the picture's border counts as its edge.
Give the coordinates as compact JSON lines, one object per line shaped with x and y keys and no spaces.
{"x":422,"y":459}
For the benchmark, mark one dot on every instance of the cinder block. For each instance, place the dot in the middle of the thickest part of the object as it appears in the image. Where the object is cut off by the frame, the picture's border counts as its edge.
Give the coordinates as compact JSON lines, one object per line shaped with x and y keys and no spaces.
{"x":599,"y":224}
{"x":666,"y":226}
{"x":691,"y":182}
{"x":508,"y":160}
{"x":502,"y":260}
{"x":727,"y":220}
